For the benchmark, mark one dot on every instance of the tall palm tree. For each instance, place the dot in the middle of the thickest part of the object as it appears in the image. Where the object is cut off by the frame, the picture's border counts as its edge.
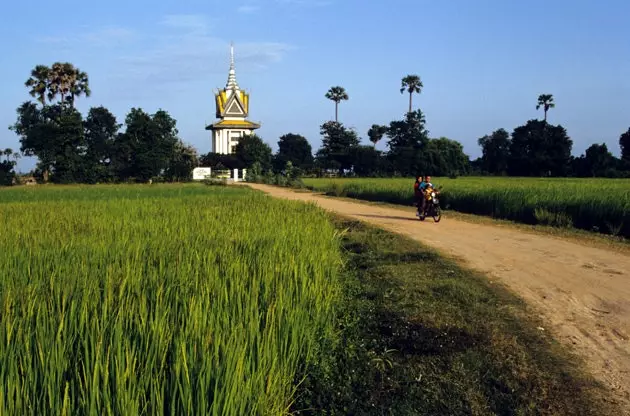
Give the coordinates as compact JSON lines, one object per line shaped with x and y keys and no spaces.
{"x":80,"y":86}
{"x":63,"y":78}
{"x":39,"y":83}
{"x":337,"y":94}
{"x":546,"y":102}
{"x":411,"y":83}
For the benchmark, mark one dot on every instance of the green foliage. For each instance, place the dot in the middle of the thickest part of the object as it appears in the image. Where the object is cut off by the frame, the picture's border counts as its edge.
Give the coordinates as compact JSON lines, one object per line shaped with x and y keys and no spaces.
{"x":220,"y":161}
{"x":407,"y":141}
{"x":181,"y":163}
{"x":337,"y":94}
{"x":596,"y":161}
{"x":255,"y":173}
{"x":540,"y":149}
{"x":7,"y":167}
{"x":367,"y":161}
{"x":376,"y":133}
{"x":421,"y":336}
{"x":101,"y":130}
{"x":624,"y":145}
{"x":546,"y":102}
{"x":601,"y":205}
{"x":143,"y":151}
{"x":293,"y":148}
{"x":251,"y":149}
{"x":412,"y":84}
{"x":160,"y":299}
{"x":496,"y":152}
{"x":55,"y":135}
{"x":338,"y":143}
{"x":445,"y":157}
{"x":62,"y":80}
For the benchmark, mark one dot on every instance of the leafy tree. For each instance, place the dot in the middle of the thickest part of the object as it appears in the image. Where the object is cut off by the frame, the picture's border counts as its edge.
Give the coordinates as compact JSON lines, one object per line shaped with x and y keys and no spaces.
{"x":546,"y":102}
{"x":54,"y":134}
{"x":220,"y":161}
{"x":407,"y":140}
{"x":376,"y":133}
{"x":38,"y":83}
{"x":182,"y":162}
{"x":7,"y":167}
{"x":101,"y":130}
{"x":68,"y":136}
{"x":145,"y":148}
{"x":445,"y":157}
{"x":296,"y":149}
{"x":337,"y":94}
{"x":495,"y":152}
{"x":412,"y":84}
{"x":539,"y":149}
{"x":80,"y":86}
{"x":338,"y":143}
{"x":624,"y":145}
{"x":251,"y":149}
{"x":367,"y":161}
{"x":598,"y":161}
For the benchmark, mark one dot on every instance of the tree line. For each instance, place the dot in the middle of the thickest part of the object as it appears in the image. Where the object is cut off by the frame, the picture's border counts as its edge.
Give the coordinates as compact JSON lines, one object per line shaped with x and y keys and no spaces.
{"x":71,"y":148}
{"x":536,"y":148}
{"x":97,"y":149}
{"x":542,"y":149}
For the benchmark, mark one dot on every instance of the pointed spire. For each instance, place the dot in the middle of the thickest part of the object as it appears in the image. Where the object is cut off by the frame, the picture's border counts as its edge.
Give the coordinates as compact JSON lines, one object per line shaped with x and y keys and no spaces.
{"x":231,"y":83}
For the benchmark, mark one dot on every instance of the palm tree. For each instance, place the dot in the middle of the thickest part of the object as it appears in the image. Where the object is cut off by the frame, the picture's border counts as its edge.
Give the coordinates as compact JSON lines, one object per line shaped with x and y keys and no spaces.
{"x":39,"y":83}
{"x":80,"y":86}
{"x":546,"y":102}
{"x":64,"y":79}
{"x":411,"y":83}
{"x":337,"y":94}
{"x":376,"y":132}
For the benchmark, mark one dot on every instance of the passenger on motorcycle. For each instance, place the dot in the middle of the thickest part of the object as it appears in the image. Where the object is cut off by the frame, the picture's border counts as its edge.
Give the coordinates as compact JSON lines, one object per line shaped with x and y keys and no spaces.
{"x":426,"y":183}
{"x":418,"y":196}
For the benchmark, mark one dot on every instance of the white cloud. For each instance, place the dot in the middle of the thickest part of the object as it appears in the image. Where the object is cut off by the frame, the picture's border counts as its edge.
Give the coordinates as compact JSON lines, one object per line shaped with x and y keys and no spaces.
{"x":107,"y":36}
{"x":248,"y":9}
{"x":180,"y":49}
{"x":191,"y":23}
{"x":308,"y":3}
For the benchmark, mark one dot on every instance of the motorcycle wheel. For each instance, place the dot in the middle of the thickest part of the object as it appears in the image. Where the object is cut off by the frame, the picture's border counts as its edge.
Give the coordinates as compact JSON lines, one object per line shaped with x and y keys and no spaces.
{"x":437,"y":215}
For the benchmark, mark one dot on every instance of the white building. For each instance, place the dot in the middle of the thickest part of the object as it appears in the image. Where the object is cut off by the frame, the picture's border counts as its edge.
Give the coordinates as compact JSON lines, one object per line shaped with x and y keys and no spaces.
{"x":232,"y":110}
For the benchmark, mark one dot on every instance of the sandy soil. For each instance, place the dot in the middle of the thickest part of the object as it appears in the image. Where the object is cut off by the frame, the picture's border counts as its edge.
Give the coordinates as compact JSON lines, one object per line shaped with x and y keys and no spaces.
{"x":582,"y":293}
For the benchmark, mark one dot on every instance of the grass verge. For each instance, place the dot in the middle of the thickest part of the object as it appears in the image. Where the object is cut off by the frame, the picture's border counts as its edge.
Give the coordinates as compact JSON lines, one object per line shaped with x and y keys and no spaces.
{"x":588,"y":238}
{"x":420,"y":335}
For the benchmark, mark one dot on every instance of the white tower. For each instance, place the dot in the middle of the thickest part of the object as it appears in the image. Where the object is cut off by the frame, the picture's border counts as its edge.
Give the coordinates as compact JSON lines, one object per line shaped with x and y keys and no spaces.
{"x":232,"y":109}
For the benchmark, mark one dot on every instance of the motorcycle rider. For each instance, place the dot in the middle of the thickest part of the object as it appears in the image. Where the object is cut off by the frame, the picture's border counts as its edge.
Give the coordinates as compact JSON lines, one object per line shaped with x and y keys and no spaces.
{"x":426,"y":183}
{"x":418,"y":196}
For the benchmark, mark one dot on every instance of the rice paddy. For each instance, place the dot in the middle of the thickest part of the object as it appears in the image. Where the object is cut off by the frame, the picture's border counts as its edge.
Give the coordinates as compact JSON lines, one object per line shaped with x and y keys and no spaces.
{"x":600,"y":205}
{"x":162,"y":299}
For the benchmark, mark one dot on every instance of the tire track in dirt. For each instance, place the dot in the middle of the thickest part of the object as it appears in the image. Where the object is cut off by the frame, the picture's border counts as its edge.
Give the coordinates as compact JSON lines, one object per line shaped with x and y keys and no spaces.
{"x":582,"y":293}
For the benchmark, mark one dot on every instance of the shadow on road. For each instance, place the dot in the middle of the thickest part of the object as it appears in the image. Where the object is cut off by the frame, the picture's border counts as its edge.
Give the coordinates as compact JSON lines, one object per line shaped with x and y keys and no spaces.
{"x":391,"y":217}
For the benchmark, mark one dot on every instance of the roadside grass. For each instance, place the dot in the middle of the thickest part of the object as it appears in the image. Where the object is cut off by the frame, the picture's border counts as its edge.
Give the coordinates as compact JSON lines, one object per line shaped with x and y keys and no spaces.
{"x":418,"y":334}
{"x":584,"y":237}
{"x":592,"y":204}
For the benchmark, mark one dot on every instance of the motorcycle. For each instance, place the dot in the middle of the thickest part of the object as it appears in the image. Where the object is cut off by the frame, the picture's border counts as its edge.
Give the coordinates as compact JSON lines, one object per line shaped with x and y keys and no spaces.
{"x":432,"y":206}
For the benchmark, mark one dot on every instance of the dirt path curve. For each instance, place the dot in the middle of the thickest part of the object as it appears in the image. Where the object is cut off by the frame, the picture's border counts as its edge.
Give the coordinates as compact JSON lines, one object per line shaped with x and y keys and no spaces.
{"x":582,"y":293}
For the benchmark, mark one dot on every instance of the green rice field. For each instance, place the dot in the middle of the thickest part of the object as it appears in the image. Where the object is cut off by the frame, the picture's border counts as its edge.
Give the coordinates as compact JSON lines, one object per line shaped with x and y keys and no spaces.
{"x":601,"y":205}
{"x":161,"y":299}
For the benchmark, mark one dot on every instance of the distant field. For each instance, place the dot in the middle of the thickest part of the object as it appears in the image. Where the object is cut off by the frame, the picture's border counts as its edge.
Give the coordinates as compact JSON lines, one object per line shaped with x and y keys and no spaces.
{"x":601,"y":205}
{"x":159,"y":299}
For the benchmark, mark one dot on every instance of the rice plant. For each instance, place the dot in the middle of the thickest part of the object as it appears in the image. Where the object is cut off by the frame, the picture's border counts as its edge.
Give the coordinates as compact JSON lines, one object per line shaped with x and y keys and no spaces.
{"x":163,"y":299}
{"x":601,"y":205}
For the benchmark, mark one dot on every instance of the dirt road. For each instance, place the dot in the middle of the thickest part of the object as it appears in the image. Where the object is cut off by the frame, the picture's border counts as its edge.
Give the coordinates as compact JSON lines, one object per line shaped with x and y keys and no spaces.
{"x":582,"y":293}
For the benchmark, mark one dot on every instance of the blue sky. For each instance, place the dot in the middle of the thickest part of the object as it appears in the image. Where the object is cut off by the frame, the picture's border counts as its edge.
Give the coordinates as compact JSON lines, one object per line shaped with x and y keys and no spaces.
{"x":483,"y":62}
